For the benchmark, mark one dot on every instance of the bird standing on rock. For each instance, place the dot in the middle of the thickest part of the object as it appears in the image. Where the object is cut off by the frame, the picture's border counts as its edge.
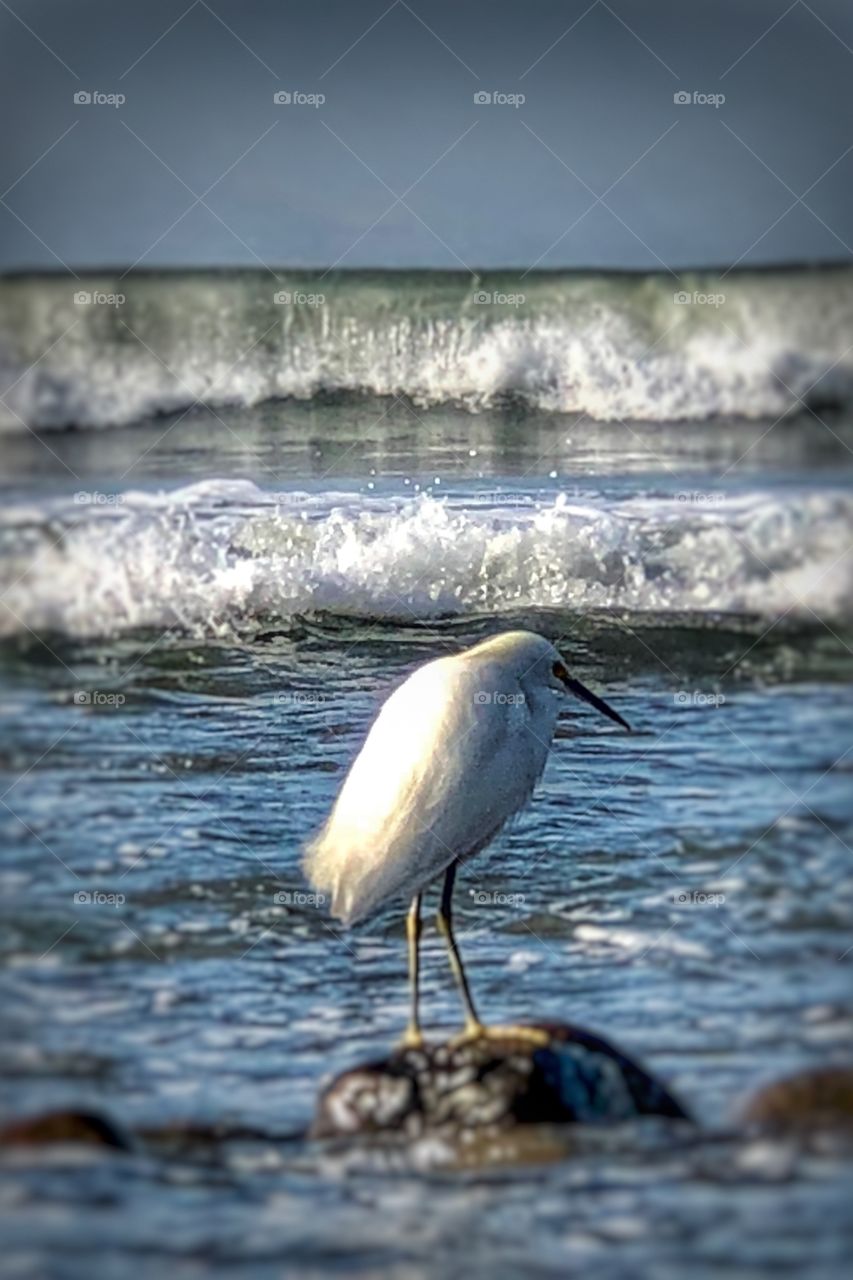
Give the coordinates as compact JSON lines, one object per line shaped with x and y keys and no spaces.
{"x":454,"y":753}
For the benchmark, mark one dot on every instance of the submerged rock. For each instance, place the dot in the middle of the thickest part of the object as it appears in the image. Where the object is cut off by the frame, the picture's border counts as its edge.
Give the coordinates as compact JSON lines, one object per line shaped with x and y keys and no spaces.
{"x":502,"y":1099}
{"x":564,"y":1076}
{"x":64,"y":1126}
{"x":815,"y":1101}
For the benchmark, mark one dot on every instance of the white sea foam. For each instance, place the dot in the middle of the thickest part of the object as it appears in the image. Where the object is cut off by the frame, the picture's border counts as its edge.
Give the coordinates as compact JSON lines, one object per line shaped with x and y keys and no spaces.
{"x":218,"y":555}
{"x":647,"y":348}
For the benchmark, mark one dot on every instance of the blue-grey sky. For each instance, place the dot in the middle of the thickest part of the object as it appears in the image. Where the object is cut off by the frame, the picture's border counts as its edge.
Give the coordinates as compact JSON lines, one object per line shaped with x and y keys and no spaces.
{"x":599,"y":166}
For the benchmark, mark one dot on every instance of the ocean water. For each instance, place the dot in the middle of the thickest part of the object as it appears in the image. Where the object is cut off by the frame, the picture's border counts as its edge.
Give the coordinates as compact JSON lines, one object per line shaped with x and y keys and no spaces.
{"x":113,"y":348}
{"x":204,"y":602}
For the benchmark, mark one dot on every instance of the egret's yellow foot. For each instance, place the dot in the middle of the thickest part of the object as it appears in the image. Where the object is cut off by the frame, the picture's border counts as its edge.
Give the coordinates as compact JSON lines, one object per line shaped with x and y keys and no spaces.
{"x":477,"y":1031}
{"x":474,"y":1030}
{"x":412,"y":1038}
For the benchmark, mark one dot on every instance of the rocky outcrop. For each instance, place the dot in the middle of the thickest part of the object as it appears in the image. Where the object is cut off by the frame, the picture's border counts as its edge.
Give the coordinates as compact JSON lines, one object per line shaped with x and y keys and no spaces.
{"x":549,"y":1074}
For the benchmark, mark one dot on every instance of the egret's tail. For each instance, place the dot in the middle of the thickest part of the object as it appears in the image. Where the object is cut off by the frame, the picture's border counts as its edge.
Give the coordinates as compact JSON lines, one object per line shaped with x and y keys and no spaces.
{"x":341,"y":875}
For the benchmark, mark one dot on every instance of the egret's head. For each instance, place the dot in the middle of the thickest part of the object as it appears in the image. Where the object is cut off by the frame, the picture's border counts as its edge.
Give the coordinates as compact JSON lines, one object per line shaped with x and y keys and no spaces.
{"x":562,"y":681}
{"x":538,"y":666}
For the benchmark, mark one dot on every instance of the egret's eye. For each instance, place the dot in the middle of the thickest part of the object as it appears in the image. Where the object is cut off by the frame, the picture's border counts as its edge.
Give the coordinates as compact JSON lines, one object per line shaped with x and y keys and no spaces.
{"x":560,"y":671}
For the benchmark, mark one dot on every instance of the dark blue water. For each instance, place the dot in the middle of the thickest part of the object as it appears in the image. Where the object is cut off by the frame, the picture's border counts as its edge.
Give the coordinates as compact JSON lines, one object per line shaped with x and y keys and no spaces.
{"x":686,"y":892}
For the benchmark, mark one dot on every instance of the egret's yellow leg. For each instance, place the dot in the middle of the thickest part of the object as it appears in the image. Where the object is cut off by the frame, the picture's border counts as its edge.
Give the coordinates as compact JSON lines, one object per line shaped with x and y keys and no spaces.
{"x":473,"y":1025}
{"x":413,"y":1038}
{"x":474,"y":1028}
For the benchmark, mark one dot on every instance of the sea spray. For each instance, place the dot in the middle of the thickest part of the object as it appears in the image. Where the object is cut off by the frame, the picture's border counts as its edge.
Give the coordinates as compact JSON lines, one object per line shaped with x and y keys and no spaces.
{"x":611,"y":346}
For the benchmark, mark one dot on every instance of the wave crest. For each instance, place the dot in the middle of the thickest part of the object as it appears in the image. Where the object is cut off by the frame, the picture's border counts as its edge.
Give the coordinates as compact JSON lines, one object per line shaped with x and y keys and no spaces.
{"x":641,"y":347}
{"x":218,"y":556}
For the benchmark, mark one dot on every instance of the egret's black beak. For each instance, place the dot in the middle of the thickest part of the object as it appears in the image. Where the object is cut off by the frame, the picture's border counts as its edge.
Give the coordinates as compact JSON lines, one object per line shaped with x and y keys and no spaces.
{"x":586,"y":695}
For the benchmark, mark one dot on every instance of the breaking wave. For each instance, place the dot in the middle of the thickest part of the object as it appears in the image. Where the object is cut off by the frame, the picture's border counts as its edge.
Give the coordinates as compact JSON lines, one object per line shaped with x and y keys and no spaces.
{"x":214,"y":557}
{"x":110,"y":350}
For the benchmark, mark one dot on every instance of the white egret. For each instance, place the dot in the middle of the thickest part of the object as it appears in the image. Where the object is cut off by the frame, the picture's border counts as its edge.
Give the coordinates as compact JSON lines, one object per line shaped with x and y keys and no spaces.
{"x":455,"y":751}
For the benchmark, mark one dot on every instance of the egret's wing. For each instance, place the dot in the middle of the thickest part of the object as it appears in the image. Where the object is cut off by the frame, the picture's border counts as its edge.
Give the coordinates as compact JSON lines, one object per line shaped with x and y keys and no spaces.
{"x":442,"y":768}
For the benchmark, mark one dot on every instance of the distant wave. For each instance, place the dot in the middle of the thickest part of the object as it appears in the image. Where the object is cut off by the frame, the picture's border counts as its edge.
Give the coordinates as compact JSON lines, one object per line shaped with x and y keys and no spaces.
{"x":217,"y":556}
{"x":611,"y":346}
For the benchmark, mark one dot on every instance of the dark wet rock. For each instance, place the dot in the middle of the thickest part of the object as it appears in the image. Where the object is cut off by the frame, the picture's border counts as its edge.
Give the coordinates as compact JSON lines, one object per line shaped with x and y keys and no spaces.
{"x":176,"y":1139}
{"x":819,"y":1100}
{"x":64,"y":1126}
{"x":500,"y":1081}
{"x":208,"y":1143}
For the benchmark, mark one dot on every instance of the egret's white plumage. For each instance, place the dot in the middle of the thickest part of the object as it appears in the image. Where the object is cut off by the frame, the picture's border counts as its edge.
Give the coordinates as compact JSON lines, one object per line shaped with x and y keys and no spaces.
{"x":455,"y":751}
